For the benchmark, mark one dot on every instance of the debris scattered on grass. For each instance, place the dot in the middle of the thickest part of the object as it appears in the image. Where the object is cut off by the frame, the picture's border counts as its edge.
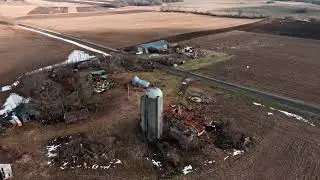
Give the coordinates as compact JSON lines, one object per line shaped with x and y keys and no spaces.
{"x":270,"y":113}
{"x":187,"y":169}
{"x":76,"y":151}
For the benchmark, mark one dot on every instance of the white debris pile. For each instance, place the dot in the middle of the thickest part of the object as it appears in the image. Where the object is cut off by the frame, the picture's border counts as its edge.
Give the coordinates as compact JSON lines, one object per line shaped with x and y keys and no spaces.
{"x":187,"y":169}
{"x":156,"y":163}
{"x":52,"y":150}
{"x":237,"y":152}
{"x":77,"y":151}
{"x":12,"y":102}
{"x":208,"y":162}
{"x":78,"y":56}
{"x":300,"y":118}
{"x":111,"y":164}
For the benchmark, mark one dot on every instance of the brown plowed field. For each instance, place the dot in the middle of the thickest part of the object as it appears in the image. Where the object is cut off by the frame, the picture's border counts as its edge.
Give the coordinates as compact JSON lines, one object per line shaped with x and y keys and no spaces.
{"x":123,"y":30}
{"x":288,"y":27}
{"x":286,"y":149}
{"x":278,"y":64}
{"x":23,"y":51}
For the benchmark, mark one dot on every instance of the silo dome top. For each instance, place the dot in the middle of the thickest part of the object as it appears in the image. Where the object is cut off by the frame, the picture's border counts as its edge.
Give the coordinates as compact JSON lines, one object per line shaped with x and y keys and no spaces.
{"x":154,"y":93}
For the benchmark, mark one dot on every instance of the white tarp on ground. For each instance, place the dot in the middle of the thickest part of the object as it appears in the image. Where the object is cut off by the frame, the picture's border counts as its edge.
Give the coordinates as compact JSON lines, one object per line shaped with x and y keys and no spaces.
{"x":12,"y":102}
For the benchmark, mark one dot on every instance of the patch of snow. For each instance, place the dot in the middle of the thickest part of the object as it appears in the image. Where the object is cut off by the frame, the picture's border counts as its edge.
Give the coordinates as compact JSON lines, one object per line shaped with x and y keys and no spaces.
{"x":66,"y":40}
{"x":12,"y":102}
{"x":300,"y":118}
{"x":118,"y":161}
{"x":258,"y":104}
{"x":270,"y":113}
{"x":187,"y":169}
{"x":237,"y":152}
{"x":226,"y":158}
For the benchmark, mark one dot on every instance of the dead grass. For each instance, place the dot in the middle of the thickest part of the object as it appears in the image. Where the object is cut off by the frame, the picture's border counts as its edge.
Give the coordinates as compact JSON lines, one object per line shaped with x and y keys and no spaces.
{"x":118,"y":119}
{"x":209,"y":59}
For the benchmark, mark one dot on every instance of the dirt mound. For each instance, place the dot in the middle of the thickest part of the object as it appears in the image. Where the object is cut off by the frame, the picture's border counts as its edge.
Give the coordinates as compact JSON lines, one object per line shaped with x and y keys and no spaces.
{"x":76,"y":151}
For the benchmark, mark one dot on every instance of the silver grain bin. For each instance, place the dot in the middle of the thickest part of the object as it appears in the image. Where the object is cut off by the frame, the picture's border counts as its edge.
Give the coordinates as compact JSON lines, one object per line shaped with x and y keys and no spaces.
{"x":151,"y":114}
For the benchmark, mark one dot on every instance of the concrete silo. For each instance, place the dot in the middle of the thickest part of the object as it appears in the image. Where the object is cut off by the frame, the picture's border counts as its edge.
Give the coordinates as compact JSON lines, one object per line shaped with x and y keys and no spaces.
{"x":151,"y":114}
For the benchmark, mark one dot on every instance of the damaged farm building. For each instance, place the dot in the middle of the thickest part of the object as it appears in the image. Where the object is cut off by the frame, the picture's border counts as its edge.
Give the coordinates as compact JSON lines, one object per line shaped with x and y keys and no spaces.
{"x":82,"y":87}
{"x":144,"y":112}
